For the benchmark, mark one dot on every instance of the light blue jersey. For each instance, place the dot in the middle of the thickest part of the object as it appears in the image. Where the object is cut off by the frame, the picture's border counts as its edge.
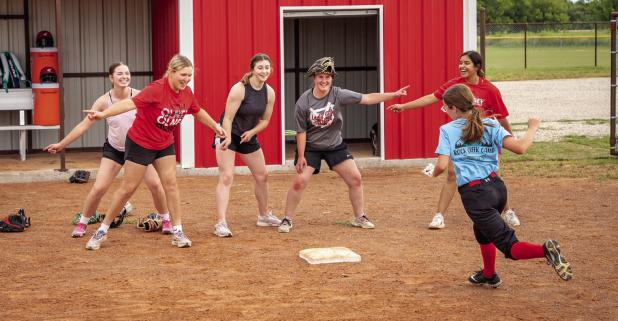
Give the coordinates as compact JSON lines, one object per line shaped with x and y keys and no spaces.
{"x":475,"y":160}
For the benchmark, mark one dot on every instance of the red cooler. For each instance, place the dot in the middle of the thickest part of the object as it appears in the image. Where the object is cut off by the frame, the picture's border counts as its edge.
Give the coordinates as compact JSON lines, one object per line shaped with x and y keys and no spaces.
{"x":46,"y":104}
{"x":41,"y":58}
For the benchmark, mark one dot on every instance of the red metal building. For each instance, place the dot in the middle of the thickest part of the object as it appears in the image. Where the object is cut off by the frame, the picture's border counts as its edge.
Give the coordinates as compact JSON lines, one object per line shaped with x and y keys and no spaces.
{"x":419,"y":42}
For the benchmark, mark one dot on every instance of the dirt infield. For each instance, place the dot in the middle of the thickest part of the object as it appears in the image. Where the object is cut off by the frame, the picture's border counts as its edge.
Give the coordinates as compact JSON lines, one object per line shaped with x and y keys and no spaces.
{"x":407,"y":271}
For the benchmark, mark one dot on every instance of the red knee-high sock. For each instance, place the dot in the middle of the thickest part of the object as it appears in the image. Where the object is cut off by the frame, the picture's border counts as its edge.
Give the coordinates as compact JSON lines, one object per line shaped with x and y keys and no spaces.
{"x":488,"y":251}
{"x":525,"y":251}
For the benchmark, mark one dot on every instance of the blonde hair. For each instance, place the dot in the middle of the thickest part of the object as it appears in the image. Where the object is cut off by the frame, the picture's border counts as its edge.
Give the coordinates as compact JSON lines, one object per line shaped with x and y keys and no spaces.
{"x":178,"y":62}
{"x":254,"y":60}
{"x":461,"y":97}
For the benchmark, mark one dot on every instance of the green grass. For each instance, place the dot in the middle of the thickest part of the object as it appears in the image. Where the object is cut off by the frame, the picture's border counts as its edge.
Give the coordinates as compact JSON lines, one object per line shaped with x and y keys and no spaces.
{"x":507,"y":63}
{"x":573,"y":157}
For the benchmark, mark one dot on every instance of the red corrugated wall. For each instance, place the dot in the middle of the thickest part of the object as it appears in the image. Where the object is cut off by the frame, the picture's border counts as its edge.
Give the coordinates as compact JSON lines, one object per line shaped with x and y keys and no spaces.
{"x":164,"y":22}
{"x":422,"y":43}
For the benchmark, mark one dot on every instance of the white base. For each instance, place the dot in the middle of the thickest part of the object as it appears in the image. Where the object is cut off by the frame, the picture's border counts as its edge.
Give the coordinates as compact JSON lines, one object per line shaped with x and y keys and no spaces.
{"x":329,"y":255}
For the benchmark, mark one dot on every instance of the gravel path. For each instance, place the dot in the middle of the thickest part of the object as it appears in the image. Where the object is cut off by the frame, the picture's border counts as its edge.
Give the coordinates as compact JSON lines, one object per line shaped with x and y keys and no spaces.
{"x":566,"y":106}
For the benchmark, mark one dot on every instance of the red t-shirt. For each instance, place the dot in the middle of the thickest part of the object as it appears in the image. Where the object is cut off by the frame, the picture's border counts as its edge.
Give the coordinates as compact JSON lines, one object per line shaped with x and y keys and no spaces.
{"x":486,"y":95}
{"x":159,"y":111}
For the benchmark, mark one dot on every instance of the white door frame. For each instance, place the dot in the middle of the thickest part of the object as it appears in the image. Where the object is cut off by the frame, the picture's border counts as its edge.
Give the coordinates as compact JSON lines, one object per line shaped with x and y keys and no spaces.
{"x":469,"y":25}
{"x":283,"y":10}
{"x":185,"y":45}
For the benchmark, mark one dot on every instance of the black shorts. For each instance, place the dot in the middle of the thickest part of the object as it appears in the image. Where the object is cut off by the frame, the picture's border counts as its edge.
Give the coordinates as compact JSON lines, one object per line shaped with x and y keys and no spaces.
{"x":144,"y":156}
{"x":332,"y":157}
{"x":483,"y":203}
{"x":110,"y":152}
{"x":245,"y":148}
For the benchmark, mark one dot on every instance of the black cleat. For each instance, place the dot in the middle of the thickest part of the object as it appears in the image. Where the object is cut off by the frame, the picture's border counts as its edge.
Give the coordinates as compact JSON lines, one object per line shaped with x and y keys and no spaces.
{"x":479,"y":279}
{"x":557,"y":261}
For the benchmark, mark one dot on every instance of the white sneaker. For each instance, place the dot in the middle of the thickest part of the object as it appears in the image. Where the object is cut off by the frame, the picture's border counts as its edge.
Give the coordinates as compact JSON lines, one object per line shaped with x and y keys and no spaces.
{"x":221,"y":230}
{"x":286,"y":225}
{"x":128,"y":207}
{"x":268,"y":220}
{"x":362,"y":222}
{"x":510,"y":218}
{"x":94,"y":243}
{"x":437,"y":222}
{"x":179,"y":239}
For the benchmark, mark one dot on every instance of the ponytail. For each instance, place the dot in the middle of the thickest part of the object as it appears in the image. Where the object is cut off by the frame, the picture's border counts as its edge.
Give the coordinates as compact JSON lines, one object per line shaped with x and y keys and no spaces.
{"x":245,"y":77}
{"x":474,"y":129}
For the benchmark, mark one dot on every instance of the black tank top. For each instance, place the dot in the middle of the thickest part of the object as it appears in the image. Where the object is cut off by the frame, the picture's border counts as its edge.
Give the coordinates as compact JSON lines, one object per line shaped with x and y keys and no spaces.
{"x":250,"y":110}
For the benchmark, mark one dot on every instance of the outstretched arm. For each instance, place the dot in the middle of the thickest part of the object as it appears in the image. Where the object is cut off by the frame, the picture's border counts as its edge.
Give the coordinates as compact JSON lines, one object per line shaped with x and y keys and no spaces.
{"x":118,"y":108}
{"x":505,"y":123}
{"x":420,"y":102}
{"x":375,"y":98}
{"x":77,"y":131}
{"x":520,"y":145}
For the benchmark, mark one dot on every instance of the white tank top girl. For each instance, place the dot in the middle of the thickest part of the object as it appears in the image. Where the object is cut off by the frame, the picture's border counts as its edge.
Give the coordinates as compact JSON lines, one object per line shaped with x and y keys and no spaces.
{"x":119,"y":125}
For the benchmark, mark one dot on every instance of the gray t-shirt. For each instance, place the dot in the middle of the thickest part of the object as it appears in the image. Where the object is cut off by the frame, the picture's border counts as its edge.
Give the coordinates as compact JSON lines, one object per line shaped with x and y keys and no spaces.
{"x":321,"y":118}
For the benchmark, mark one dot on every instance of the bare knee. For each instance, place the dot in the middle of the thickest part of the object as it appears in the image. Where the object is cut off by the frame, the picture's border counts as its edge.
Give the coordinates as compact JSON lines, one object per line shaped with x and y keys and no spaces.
{"x":299,"y":183}
{"x":261,"y":178}
{"x":126,"y":190}
{"x":97,"y":192}
{"x":169,"y":183}
{"x":355,"y":181}
{"x":226,"y":179}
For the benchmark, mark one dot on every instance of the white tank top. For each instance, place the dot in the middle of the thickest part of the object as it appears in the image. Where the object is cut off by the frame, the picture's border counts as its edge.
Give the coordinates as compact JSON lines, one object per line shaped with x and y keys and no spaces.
{"x":119,"y":125}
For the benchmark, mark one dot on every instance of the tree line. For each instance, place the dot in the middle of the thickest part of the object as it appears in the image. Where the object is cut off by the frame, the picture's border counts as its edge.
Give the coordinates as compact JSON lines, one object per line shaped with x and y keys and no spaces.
{"x":511,"y":11}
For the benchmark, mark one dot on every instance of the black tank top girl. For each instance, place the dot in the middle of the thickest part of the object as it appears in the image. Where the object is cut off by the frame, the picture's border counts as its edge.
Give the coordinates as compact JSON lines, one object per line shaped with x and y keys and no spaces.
{"x":250,"y":110}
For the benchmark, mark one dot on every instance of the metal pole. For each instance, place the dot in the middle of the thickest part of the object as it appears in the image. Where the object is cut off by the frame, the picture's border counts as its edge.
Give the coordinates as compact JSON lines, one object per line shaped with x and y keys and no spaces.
{"x":526,"y":46}
{"x":596,"y":43}
{"x":60,"y":80}
{"x":482,"y":36}
{"x":296,"y":59}
{"x":612,"y":117}
{"x":28,"y":63}
{"x":27,"y":37}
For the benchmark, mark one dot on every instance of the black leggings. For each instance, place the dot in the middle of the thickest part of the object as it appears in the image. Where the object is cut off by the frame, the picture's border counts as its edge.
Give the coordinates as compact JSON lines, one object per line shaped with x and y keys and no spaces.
{"x":483,"y":203}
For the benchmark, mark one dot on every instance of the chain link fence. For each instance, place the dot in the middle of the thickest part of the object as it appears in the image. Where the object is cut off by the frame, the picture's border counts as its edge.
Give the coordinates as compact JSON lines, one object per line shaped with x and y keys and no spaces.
{"x":526,"y":45}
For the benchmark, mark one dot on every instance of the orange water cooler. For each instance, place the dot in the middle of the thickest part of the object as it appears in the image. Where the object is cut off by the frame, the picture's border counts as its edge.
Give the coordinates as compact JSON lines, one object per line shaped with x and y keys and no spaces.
{"x":46,"y":104}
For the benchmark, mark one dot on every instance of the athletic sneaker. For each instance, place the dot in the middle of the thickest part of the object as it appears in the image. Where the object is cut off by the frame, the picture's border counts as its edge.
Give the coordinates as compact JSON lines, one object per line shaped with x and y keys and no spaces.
{"x":221,"y":230}
{"x":95,"y":241}
{"x":179,"y":239}
{"x":362,"y":222}
{"x":437,"y":222}
{"x":268,"y":220}
{"x":557,"y":261}
{"x":167,"y":227}
{"x":286,"y":225}
{"x":128,"y":207}
{"x":479,"y":279}
{"x":79,"y":230}
{"x":510,"y":218}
